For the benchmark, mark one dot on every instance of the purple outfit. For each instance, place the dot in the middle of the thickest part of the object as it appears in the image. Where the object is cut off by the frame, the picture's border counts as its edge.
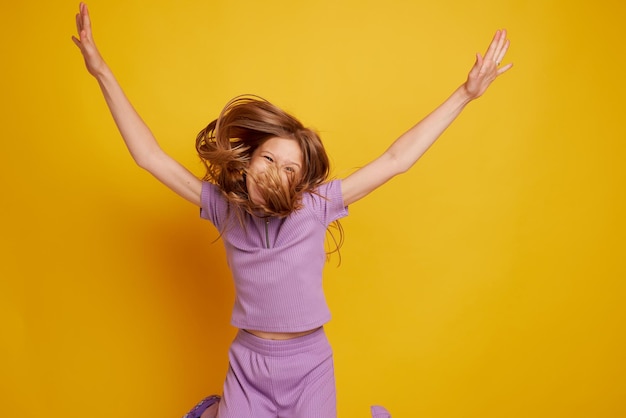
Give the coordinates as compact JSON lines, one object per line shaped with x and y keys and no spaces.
{"x":280,"y":378}
{"x":277,"y":269}
{"x":277,"y":263}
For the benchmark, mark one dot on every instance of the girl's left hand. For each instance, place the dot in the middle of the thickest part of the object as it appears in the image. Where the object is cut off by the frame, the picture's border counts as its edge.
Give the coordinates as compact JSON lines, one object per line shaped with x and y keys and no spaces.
{"x":487,"y":68}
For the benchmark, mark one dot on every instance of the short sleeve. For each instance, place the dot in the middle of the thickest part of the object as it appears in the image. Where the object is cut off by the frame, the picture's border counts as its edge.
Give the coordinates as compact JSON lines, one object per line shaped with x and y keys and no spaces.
{"x":214,"y":205}
{"x":328,"y":202}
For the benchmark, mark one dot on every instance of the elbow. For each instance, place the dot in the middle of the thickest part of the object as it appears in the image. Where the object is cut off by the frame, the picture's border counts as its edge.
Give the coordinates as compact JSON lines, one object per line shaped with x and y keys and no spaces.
{"x":403,"y":167}
{"x":397,"y":164}
{"x":146,"y":162}
{"x":142,"y":162}
{"x":147,"y":158}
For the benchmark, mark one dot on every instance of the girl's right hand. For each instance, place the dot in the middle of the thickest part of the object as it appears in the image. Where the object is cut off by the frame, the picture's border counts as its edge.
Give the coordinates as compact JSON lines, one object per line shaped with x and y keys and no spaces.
{"x":93,"y":60}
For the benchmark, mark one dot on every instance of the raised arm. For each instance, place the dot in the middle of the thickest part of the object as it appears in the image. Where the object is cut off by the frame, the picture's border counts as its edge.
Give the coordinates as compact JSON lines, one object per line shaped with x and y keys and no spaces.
{"x":408,"y":148}
{"x":141,"y":143}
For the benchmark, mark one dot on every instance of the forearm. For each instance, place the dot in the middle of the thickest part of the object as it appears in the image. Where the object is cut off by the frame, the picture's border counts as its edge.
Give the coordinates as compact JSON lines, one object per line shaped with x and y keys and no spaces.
{"x":138,"y":138}
{"x":409,"y":147}
{"x":406,"y":150}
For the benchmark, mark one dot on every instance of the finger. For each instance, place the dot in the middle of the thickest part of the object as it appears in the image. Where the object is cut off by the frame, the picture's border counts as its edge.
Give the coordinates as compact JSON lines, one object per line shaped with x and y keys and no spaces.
{"x":76,"y":42}
{"x":79,"y":16}
{"x":86,"y":18}
{"x":502,"y":39}
{"x":501,"y":43}
{"x":478,"y":63}
{"x":505,"y":68}
{"x":502,"y":52}
{"x":477,"y":66}
{"x":491,"y":50}
{"x":479,"y":60}
{"x":78,"y":23}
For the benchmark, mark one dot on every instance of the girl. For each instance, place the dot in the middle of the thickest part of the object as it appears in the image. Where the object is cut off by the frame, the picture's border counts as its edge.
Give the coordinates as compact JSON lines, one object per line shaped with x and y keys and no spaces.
{"x":267,"y":191}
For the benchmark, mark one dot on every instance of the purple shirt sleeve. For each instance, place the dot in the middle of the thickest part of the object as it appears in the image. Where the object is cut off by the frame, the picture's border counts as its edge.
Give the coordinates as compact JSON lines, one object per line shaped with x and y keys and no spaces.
{"x":214,"y":205}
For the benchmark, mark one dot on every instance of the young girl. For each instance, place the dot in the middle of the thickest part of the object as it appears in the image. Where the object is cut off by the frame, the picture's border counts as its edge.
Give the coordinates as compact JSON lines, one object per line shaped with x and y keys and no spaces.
{"x":266,"y":189}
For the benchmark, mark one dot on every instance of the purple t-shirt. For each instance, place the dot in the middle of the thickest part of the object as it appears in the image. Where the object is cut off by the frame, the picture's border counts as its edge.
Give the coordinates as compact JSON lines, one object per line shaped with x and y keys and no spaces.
{"x":277,"y":263}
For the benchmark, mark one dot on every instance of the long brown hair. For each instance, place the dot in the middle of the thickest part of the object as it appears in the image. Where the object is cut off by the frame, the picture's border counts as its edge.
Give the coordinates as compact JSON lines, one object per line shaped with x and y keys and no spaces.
{"x":226,"y":146}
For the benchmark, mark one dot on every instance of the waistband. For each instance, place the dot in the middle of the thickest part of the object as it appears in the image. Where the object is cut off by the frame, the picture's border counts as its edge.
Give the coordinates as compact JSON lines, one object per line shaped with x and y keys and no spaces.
{"x":280,"y":348}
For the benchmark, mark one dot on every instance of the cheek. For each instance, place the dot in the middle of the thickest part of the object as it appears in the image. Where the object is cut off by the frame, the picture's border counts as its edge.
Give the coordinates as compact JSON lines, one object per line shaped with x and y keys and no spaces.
{"x":296,"y":176}
{"x":288,"y":177}
{"x":252,"y":167}
{"x":253,"y":191}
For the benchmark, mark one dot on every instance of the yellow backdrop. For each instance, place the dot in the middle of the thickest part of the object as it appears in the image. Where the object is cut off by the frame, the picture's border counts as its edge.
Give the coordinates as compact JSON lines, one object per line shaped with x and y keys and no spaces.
{"x":487,"y":282}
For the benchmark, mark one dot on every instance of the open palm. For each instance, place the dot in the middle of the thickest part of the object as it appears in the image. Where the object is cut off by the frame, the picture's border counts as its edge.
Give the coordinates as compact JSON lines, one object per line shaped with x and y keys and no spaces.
{"x":486,"y":69}
{"x":93,"y":60}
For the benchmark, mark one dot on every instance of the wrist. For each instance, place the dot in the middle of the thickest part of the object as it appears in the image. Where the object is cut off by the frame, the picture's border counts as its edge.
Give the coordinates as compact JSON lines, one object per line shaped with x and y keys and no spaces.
{"x":101,"y":72}
{"x":464,"y":95}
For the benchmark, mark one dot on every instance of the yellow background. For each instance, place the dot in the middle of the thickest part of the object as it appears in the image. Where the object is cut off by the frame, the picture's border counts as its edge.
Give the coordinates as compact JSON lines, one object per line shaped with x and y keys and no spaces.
{"x":486,"y":282}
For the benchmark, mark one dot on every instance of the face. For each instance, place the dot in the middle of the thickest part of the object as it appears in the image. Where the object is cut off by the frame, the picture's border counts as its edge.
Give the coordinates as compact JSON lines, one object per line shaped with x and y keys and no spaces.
{"x":282,"y":154}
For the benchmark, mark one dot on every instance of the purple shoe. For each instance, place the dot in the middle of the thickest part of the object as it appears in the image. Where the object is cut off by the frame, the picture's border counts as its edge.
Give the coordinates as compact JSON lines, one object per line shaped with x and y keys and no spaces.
{"x":202,"y":406}
{"x":380,"y":412}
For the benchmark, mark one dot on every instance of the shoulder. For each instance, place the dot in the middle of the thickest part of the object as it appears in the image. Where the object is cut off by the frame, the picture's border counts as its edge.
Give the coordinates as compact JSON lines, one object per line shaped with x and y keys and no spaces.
{"x":210,"y":193}
{"x":213,"y":204}
{"x":328,"y":190}
{"x":326,"y":201}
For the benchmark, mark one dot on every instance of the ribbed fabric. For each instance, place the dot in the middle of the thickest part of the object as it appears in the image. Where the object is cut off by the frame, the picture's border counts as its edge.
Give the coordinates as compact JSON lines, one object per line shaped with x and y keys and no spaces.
{"x":277,"y":263}
{"x":379,"y":412}
{"x":287,"y":379}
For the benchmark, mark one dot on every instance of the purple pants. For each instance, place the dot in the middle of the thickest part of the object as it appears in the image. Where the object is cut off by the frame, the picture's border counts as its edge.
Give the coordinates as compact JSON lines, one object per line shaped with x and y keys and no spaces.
{"x":287,"y":379}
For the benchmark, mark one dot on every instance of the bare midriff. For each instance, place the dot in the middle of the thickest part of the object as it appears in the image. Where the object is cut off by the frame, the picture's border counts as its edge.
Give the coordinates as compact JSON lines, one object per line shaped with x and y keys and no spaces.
{"x":279,"y":335}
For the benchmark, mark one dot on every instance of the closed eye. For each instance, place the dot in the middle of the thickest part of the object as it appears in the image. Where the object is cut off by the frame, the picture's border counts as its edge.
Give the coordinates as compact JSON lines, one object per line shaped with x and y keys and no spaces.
{"x":268,"y":158}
